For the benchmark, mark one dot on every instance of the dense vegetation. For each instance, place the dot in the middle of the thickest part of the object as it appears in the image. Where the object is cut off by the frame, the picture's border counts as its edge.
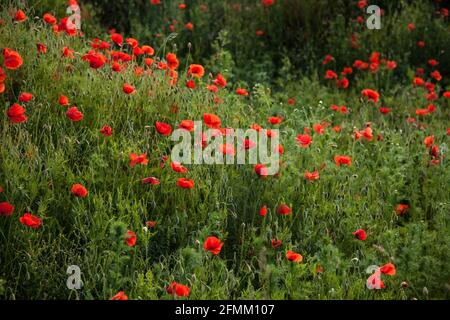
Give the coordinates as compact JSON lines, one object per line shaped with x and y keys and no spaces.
{"x":363,"y":119}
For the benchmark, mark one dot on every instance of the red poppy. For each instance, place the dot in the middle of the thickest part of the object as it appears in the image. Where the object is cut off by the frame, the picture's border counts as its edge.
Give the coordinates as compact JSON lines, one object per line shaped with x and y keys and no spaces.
{"x":263,"y":211}
{"x":25,"y":97}
{"x":138,"y":159}
{"x":268,"y":3}
{"x":284,"y":210}
{"x":227,"y":149}
{"x":6,"y":209}
{"x":163,"y":128}
{"x":178,"y":289}
{"x":178,"y":167}
{"x":189,"y":26}
{"x":128,"y":89}
{"x":12,"y":59}
{"x":96,"y":60}
{"x":371,"y":95}
{"x":63,"y":100}
{"x":213,"y":245}
{"x":311,"y":176}
{"x":106,"y":131}
{"x":185,"y":183}
{"x":131,"y":238}
{"x":120,"y":296}
{"x":30,"y":220}
{"x":212,"y":121}
{"x":275,"y":120}
{"x":293,"y":256}
{"x":187,"y":125}
{"x":20,"y":16}
{"x":330,"y":74}
{"x":261,"y":170}
{"x":220,"y":81}
{"x":74,"y":115}
{"x":196,"y":71}
{"x":388,"y":269}
{"x":117,"y":39}
{"x":401,"y":209}
{"x":50,"y":19}
{"x":436,"y":75}
{"x":304,"y":139}
{"x":360,"y":234}
{"x":242,"y":92}
{"x":16,"y":114}
{"x":41,"y":48}
{"x":172,"y":61}
{"x":341,"y":160}
{"x":276,"y":243}
{"x":151,"y":180}
{"x":78,"y":190}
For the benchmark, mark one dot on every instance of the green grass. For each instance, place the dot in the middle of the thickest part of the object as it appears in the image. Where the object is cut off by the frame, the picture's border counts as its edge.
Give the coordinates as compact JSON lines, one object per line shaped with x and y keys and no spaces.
{"x":42,"y":158}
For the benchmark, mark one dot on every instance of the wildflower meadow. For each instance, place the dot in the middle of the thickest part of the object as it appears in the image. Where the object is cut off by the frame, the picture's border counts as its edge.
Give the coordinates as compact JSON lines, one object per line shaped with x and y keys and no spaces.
{"x":236,"y":149}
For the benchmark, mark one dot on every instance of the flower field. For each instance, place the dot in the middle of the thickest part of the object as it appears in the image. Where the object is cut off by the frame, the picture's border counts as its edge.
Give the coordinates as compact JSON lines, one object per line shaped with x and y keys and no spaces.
{"x":359,"y":207}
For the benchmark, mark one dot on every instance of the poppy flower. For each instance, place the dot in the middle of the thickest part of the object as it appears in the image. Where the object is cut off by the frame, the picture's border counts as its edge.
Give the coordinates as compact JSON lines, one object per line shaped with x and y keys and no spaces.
{"x":227,"y":149}
{"x":276,"y":243}
{"x":428,"y":141}
{"x":151,"y":180}
{"x":360,"y":234}
{"x":311,"y":176}
{"x":388,"y":269}
{"x":117,"y":39}
{"x":74,"y":115}
{"x":178,"y":289}
{"x":12,"y":59}
{"x":78,"y":190}
{"x":189,"y":26}
{"x":341,"y":160}
{"x":268,"y":3}
{"x":106,"y":131}
{"x":187,"y":125}
{"x":128,"y":89}
{"x":446,"y":94}
{"x":304,"y":139}
{"x":6,"y":209}
{"x":330,"y":74}
{"x":172,"y":61}
{"x":212,"y":121}
{"x":213,"y":245}
{"x":284,"y":210}
{"x":63,"y":101}
{"x":20,"y":16}
{"x":293,"y":256}
{"x":131,"y":238}
{"x":185,"y":183}
{"x":384,"y":110}
{"x":16,"y":114}
{"x":275,"y":120}
{"x":242,"y":92}
{"x":178,"y":167}
{"x":261,"y":170}
{"x":50,"y":19}
{"x":196,"y":71}
{"x":138,"y":159}
{"x":342,"y":83}
{"x":41,"y":48}
{"x":25,"y":97}
{"x":120,"y":296}
{"x":220,"y":81}
{"x":96,"y":60}
{"x":318,"y":128}
{"x":163,"y":128}
{"x":436,"y":75}
{"x":30,"y":220}
{"x":263,"y":211}
{"x":401,"y":209}
{"x":371,"y":95}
